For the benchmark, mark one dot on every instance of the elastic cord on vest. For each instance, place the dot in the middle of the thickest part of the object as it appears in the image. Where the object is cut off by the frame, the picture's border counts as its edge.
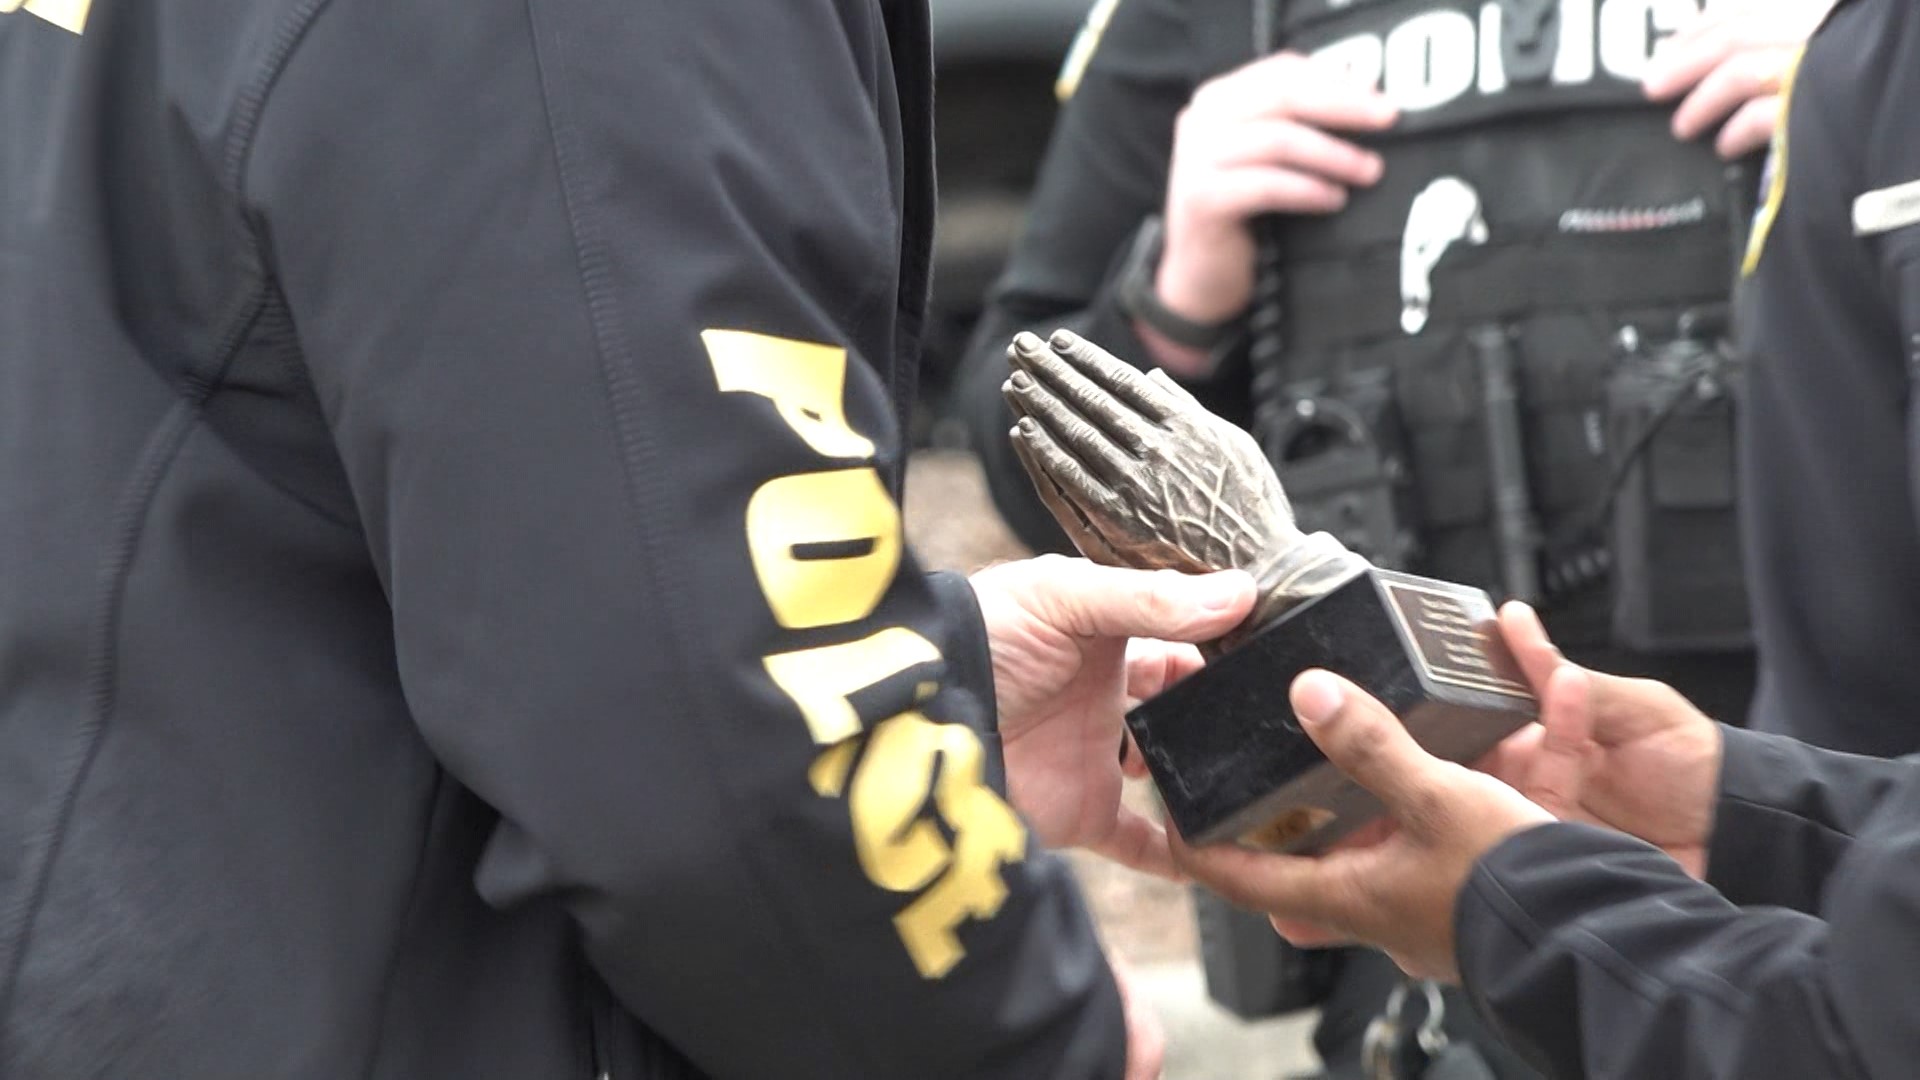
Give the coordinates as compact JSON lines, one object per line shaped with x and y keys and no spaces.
{"x":1266,"y":319}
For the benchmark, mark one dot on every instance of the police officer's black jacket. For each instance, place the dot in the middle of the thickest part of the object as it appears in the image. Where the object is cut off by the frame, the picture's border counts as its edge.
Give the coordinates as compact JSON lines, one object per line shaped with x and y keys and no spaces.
{"x":1830,"y":322}
{"x":1799,"y":957}
{"x":453,"y":619}
{"x":1600,"y":955}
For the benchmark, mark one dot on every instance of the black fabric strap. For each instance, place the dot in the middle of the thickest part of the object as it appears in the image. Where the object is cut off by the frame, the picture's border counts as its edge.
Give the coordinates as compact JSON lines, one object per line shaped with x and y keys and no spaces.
{"x":1140,"y":298}
{"x":1344,"y":302}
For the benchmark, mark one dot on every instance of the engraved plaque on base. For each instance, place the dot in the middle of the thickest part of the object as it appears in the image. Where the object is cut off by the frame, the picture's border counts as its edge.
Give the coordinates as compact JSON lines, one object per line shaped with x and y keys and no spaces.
{"x":1230,"y":760}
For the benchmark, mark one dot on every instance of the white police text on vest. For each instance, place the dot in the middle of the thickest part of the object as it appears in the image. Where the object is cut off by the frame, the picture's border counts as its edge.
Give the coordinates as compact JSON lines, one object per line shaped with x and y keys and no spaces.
{"x":1441,"y":55}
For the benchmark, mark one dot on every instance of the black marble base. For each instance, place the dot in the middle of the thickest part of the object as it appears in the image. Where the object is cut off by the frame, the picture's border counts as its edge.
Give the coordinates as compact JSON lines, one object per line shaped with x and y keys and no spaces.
{"x":1229,"y":758}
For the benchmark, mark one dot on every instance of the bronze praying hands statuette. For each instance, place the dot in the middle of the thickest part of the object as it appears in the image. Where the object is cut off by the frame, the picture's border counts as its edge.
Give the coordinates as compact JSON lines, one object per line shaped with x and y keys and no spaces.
{"x":1140,"y":474}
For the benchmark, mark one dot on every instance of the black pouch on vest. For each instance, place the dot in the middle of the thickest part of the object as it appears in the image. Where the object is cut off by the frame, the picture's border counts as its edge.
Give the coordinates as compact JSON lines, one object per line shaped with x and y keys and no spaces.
{"x":1251,"y":971}
{"x":1341,"y":456}
{"x":1675,"y":533}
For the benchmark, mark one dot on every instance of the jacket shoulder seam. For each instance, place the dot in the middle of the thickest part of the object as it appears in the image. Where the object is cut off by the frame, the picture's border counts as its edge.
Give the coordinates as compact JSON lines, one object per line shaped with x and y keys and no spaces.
{"x":251,"y":105}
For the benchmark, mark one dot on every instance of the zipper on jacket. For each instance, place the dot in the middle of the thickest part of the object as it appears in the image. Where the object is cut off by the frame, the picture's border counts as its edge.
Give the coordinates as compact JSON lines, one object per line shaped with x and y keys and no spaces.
{"x":600,"y":1030}
{"x":622,"y":1048}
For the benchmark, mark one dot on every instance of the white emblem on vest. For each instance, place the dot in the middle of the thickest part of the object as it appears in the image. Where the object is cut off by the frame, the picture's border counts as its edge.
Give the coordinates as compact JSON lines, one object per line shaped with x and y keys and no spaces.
{"x":1444,"y":214}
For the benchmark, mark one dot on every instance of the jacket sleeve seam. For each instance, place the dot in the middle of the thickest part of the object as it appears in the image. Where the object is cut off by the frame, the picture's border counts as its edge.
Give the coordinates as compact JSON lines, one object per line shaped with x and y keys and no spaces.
{"x":250,"y":111}
{"x":1780,"y":812}
{"x":624,"y":400}
{"x":1583,"y":942}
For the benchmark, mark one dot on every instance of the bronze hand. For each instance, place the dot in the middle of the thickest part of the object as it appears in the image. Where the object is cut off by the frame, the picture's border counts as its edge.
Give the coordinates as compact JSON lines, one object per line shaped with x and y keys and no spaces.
{"x":1140,"y":474}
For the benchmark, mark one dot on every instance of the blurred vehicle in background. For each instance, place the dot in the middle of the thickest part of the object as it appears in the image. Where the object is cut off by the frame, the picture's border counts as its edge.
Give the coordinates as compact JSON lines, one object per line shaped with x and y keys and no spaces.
{"x":997,"y":61}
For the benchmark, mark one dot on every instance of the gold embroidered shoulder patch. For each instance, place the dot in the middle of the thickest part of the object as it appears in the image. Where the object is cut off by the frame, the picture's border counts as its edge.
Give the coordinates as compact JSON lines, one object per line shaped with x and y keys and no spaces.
{"x":1085,"y":44}
{"x":1773,"y":181}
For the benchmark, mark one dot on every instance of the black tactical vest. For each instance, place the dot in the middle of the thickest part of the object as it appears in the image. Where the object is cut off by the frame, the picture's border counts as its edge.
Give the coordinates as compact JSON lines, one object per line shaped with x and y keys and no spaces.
{"x":1506,"y":364}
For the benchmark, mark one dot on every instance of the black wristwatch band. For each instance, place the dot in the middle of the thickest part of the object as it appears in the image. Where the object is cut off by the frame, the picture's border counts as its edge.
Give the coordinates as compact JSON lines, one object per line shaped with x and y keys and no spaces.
{"x":1139,"y":298}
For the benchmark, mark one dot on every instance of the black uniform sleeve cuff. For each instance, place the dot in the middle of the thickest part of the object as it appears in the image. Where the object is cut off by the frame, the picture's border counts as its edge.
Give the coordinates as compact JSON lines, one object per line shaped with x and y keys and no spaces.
{"x":1520,"y":895}
{"x":1748,"y":823}
{"x":1786,"y":816}
{"x":969,"y":662}
{"x":1498,"y":918}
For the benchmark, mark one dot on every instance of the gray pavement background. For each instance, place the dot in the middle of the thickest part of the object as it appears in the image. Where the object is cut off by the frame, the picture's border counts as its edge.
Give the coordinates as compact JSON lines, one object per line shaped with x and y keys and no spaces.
{"x":1204,"y":1042}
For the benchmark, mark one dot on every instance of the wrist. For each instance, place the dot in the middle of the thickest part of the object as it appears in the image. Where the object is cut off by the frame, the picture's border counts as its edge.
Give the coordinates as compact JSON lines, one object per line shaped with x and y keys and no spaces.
{"x":1206,"y":266}
{"x":1139,"y":292}
{"x":1179,"y":360}
{"x":971,"y":653}
{"x":1199,"y":290}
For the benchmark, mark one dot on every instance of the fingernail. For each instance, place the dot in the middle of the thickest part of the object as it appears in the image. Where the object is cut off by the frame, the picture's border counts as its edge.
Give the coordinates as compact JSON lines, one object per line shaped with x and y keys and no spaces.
{"x":1026,"y":426}
{"x":1220,"y":592}
{"x":1533,"y":616}
{"x":1021,"y":380}
{"x":1062,"y":339}
{"x":1532,"y":619}
{"x":1317,"y":697}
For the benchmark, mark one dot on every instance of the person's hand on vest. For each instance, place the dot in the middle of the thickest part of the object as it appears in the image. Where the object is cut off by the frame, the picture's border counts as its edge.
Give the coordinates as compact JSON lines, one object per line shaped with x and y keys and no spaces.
{"x":1393,"y":885}
{"x":1730,"y":63}
{"x":1629,"y":754}
{"x":1255,"y":141}
{"x":1058,"y":630}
